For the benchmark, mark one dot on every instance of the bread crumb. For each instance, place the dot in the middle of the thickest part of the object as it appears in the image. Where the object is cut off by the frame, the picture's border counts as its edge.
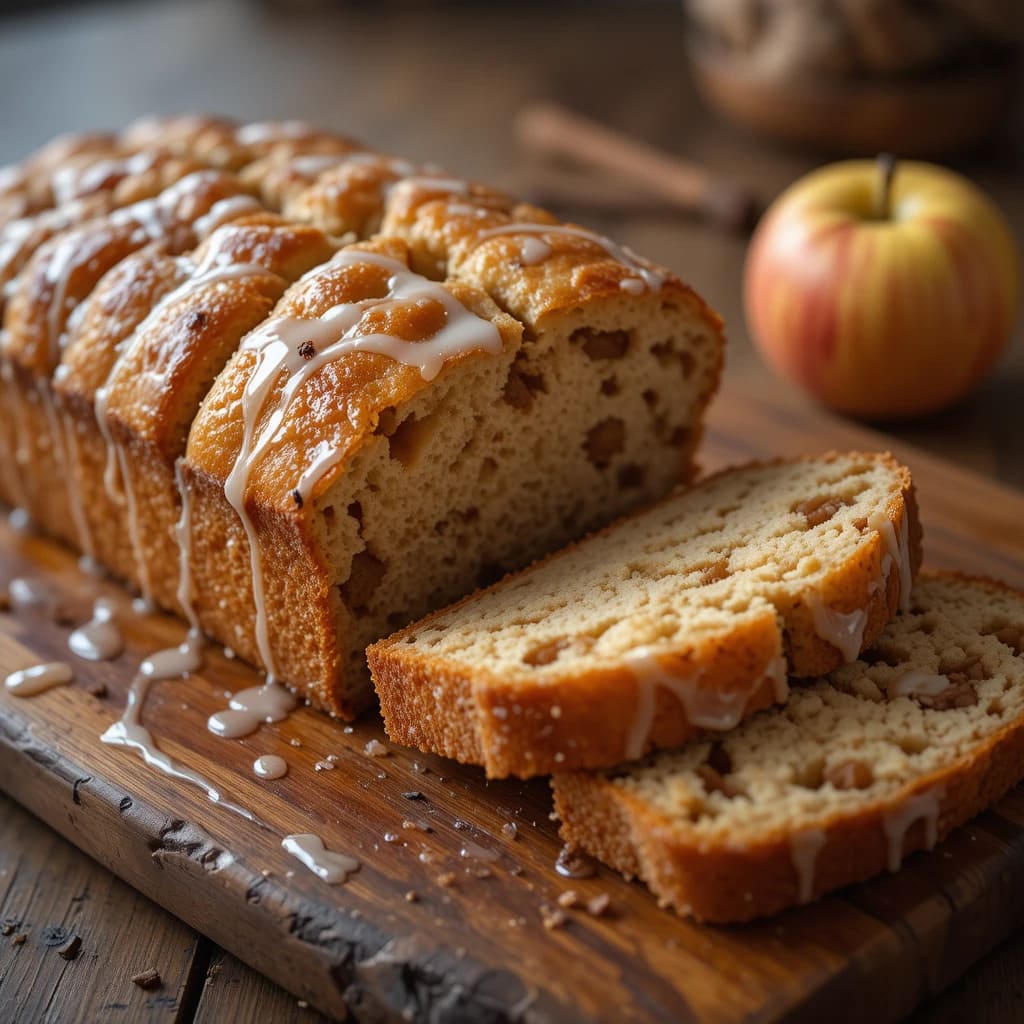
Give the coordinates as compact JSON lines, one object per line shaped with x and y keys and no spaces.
{"x":552,"y":917}
{"x":412,"y":896}
{"x":569,"y":899}
{"x":374,"y":748}
{"x":148,"y":980}
{"x":71,"y":948}
{"x":599,"y":905}
{"x":447,"y":880}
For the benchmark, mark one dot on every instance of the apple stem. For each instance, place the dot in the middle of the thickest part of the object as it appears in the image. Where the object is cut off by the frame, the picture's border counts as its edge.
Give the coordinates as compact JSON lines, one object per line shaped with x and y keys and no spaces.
{"x":883,"y":191}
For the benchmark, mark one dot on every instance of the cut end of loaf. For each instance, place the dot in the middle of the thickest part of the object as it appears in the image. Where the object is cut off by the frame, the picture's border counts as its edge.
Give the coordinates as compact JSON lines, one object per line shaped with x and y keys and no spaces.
{"x":882,"y":757}
{"x":680,"y":618}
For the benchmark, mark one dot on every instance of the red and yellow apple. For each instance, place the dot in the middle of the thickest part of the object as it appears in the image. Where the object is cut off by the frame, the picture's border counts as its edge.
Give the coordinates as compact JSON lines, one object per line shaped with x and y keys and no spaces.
{"x":887,"y":290}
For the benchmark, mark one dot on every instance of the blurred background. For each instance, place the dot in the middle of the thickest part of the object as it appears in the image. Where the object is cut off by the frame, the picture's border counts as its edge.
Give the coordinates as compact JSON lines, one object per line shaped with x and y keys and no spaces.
{"x":751,"y":93}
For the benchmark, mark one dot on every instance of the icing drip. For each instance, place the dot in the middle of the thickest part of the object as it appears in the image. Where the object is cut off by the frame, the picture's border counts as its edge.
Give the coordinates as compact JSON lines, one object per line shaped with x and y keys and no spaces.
{"x":74,"y":491}
{"x":536,"y":250}
{"x":183,"y":535}
{"x":333,"y":335}
{"x":897,"y":550}
{"x":24,"y":593}
{"x":270,"y":766}
{"x":248,"y":709}
{"x":225,"y":210}
{"x":705,"y":707}
{"x":843,"y":630}
{"x":175,"y":662}
{"x":918,"y":682}
{"x":632,"y":285}
{"x":651,"y":278}
{"x":128,"y":731}
{"x":99,"y":639}
{"x":28,"y":682}
{"x":804,"y":849}
{"x":332,"y":868}
{"x":18,"y":519}
{"x":897,"y":821}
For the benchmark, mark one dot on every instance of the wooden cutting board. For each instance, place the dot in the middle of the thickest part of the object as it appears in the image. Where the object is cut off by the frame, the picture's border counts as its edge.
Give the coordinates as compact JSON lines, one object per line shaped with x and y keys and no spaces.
{"x":422,"y":932}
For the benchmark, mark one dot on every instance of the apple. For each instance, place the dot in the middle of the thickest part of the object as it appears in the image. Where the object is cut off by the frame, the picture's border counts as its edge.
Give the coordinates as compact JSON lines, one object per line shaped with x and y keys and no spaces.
{"x":887,"y":290}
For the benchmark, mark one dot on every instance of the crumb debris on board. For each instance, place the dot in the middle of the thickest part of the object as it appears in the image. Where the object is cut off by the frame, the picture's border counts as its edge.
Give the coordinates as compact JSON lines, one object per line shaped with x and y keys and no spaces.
{"x":374,"y":748}
{"x":569,"y":899}
{"x":148,"y":980}
{"x":71,"y":948}
{"x":600,"y":905}
{"x":18,"y":939}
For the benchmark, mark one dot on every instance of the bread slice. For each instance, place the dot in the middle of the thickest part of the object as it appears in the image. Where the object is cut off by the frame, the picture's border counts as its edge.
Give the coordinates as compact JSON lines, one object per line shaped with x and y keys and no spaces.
{"x":154,"y":336}
{"x":343,"y":469}
{"x":879,"y":759}
{"x":680,"y":618}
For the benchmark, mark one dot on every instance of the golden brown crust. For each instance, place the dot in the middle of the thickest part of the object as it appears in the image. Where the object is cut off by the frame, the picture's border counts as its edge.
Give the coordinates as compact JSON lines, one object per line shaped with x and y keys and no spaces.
{"x":720,"y":883}
{"x":505,"y":724}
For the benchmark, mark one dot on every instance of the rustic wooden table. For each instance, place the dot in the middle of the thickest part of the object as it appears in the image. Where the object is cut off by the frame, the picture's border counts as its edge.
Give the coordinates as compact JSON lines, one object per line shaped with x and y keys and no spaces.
{"x":433,"y":85}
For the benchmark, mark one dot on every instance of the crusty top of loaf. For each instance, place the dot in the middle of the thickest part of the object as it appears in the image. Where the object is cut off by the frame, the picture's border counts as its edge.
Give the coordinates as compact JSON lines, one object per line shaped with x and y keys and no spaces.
{"x":65,"y":269}
{"x":340,"y":406}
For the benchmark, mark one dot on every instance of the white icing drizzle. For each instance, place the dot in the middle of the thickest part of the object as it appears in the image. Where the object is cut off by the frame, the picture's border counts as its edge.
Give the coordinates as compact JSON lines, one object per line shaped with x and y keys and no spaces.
{"x":273,"y":131}
{"x":128,"y":731}
{"x":175,"y":662}
{"x":536,"y":250}
{"x":151,"y":217}
{"x":309,"y":850}
{"x":897,"y":821}
{"x":183,"y":535}
{"x":225,"y":210}
{"x":18,"y":519}
{"x":74,"y":493}
{"x":395,"y":165}
{"x":70,"y":182}
{"x":28,"y":682}
{"x":248,"y":709}
{"x":804,"y":849}
{"x":705,"y":707}
{"x":26,"y":593}
{"x":333,"y":335}
{"x":918,"y":682}
{"x":99,"y":639}
{"x":632,"y":285}
{"x":653,"y":279}
{"x":898,"y":551}
{"x":134,"y":526}
{"x":843,"y":630}
{"x":270,"y":766}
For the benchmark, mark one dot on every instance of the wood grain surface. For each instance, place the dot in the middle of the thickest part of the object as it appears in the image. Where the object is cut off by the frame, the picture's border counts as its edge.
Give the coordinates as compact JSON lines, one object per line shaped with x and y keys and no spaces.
{"x":421,"y":930}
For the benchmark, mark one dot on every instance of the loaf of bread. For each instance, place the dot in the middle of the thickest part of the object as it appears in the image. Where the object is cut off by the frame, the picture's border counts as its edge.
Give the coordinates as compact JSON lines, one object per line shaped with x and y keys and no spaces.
{"x":683,"y":618}
{"x":302,"y":443}
{"x":882,"y":757}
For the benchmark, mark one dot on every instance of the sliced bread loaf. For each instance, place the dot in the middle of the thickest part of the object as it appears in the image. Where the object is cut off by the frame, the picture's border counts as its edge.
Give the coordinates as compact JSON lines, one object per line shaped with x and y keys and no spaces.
{"x":882,"y":757}
{"x":679,"y":619}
